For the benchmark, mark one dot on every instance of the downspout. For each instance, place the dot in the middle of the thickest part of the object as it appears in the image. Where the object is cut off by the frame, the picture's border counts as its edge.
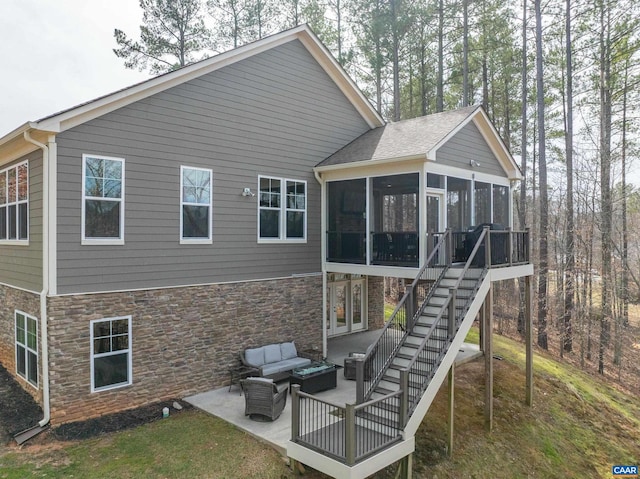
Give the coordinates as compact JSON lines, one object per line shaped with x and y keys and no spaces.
{"x":323,"y":246}
{"x":44,"y":344}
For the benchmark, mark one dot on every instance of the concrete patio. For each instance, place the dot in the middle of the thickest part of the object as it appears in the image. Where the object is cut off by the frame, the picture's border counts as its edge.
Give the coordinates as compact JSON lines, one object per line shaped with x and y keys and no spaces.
{"x":229,"y":405}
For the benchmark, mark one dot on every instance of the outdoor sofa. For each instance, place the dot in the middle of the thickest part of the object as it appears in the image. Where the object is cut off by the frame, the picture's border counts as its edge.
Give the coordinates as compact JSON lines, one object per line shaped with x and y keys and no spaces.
{"x":273,"y":361}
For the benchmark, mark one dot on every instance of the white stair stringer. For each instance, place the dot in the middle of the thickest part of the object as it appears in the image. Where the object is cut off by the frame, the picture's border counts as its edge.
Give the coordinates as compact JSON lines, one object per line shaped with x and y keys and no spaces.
{"x":443,"y":369}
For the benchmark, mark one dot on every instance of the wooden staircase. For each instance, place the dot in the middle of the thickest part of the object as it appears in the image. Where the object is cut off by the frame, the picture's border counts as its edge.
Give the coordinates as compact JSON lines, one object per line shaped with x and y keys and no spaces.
{"x":431,"y":335}
{"x":409,"y":363}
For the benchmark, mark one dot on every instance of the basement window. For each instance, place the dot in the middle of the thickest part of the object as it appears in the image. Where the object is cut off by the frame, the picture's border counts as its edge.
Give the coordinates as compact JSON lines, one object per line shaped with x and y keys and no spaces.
{"x":110,"y":353}
{"x":27,"y":347}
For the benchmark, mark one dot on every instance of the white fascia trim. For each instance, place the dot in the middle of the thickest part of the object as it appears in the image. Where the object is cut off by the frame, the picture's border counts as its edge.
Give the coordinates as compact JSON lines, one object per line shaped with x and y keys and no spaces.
{"x":369,"y":163}
{"x":448,"y":170}
{"x":52,"y":198}
{"x":179,"y":286}
{"x":335,"y":71}
{"x":109,"y":103}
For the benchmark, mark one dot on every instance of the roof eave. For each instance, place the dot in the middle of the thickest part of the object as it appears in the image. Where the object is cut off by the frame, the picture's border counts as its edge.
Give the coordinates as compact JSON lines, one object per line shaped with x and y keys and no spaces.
{"x":367,"y":163}
{"x":93,"y":109}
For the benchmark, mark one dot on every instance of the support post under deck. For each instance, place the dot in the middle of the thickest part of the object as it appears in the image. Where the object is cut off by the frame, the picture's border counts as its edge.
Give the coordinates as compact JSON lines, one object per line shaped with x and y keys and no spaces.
{"x":488,"y":359}
{"x":406,"y":467}
{"x":452,"y":378}
{"x":529,"y":339}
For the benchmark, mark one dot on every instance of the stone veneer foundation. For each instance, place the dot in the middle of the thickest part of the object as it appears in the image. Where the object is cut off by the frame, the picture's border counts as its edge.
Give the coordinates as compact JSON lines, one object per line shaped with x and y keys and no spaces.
{"x":184,"y":339}
{"x":375,"y":302}
{"x":29,"y":303}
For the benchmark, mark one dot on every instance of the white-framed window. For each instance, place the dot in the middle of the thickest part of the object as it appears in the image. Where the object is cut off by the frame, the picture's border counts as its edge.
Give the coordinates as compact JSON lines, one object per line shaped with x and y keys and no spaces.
{"x":14,"y":203}
{"x":27,"y":347}
{"x":111,"y":365}
{"x":282,"y":210}
{"x":195,"y":205}
{"x":102,"y":200}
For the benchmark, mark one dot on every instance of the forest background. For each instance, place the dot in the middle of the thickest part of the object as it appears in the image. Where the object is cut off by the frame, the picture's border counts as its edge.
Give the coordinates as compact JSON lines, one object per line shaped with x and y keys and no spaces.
{"x":559,"y":79}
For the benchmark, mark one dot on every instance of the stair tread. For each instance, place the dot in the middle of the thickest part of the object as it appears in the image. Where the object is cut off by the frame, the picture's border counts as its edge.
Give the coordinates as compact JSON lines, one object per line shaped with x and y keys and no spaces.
{"x":432,"y":349}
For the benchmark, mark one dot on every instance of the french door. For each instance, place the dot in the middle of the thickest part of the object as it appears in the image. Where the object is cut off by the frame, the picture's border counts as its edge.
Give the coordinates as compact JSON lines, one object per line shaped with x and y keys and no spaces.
{"x":347,"y":306}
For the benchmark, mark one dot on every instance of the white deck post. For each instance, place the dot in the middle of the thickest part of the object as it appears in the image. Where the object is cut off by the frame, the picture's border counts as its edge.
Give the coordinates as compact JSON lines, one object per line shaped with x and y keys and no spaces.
{"x":452,"y":378}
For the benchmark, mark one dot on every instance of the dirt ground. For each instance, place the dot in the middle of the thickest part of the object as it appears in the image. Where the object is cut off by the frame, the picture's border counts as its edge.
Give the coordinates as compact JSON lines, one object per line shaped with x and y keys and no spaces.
{"x":18,"y":411}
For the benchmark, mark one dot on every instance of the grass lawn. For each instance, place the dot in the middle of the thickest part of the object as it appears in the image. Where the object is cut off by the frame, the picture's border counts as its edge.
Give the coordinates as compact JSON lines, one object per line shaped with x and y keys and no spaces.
{"x":578,"y":427}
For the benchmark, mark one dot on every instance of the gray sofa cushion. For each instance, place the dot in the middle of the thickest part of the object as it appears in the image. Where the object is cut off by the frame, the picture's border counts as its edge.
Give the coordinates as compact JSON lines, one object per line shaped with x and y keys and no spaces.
{"x":272,"y":353}
{"x":288,"y":350}
{"x":254,"y":356}
{"x":284,"y":365}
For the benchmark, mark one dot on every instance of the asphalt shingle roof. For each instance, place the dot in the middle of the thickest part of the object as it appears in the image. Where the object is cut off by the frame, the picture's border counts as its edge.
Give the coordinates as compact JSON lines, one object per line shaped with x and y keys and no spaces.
{"x":401,"y":139}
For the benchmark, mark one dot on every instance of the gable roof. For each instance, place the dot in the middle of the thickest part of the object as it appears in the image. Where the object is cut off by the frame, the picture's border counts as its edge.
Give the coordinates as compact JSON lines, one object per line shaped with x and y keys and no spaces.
{"x":419,"y":138}
{"x":66,"y":119}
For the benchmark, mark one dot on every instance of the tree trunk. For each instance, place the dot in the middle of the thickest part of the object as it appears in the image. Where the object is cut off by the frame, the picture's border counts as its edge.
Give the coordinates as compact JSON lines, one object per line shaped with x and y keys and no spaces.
{"x":465,"y":53}
{"x":605,"y":179}
{"x":570,"y":266}
{"x":544,"y":200}
{"x":396,"y":61}
{"x":440,"y":73}
{"x":523,"y":160}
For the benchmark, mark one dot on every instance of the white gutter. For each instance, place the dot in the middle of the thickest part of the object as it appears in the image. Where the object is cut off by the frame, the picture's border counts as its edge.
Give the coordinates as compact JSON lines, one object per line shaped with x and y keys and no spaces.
{"x":323,"y":254}
{"x":44,"y":344}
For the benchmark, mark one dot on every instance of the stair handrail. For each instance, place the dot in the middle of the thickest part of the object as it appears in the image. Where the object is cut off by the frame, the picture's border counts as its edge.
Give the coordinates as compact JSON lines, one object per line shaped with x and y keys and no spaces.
{"x":472,"y":255}
{"x":361,"y":394}
{"x":448,"y":305}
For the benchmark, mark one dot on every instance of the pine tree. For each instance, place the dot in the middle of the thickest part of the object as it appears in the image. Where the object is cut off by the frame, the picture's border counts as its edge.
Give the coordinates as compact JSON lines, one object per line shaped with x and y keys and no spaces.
{"x":173,"y":34}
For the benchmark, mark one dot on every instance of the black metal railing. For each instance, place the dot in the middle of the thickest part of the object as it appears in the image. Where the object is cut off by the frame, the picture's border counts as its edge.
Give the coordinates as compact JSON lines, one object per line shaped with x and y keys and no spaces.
{"x":354,"y":432}
{"x":416,"y":376}
{"x":382,"y":352}
{"x":508,"y":248}
{"x":394,"y":248}
{"x":346,"y":247}
{"x":349,"y":433}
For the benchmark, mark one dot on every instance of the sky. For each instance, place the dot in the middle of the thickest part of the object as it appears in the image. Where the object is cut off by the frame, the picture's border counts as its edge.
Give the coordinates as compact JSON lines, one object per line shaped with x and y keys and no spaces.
{"x":56,"y":54}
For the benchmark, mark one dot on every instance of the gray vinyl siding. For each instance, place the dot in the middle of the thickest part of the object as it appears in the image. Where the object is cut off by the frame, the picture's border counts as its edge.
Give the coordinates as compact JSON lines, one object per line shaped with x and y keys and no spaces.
{"x":21,"y":266}
{"x":274,"y":114}
{"x":466,"y":145}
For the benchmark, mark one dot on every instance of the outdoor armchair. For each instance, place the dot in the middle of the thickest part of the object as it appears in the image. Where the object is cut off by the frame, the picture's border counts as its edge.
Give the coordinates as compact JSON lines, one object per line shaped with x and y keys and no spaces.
{"x":263,"y":400}
{"x":350,"y":364}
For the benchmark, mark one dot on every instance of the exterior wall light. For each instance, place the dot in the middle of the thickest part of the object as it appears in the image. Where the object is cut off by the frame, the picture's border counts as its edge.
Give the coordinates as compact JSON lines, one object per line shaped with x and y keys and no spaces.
{"x":248,"y":192}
